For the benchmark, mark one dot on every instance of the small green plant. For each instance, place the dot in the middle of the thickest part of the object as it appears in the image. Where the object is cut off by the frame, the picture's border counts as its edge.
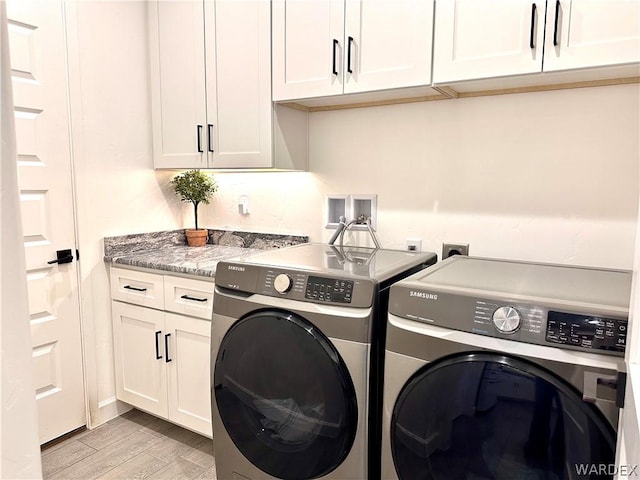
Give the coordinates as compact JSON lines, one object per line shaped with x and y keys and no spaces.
{"x":196,"y":187}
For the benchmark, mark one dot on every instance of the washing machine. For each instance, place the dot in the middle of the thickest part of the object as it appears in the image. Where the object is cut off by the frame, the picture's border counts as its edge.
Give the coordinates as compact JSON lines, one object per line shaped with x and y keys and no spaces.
{"x":297,"y":335}
{"x":504,"y":370}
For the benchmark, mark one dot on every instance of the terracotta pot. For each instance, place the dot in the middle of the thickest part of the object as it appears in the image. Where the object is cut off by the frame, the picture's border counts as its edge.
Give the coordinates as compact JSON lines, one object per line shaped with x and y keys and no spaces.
{"x":196,"y":238}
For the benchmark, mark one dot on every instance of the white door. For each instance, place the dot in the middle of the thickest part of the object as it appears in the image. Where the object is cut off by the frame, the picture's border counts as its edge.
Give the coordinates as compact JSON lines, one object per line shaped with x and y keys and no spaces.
{"x":586,"y":33}
{"x":387,"y":43}
{"x":308,"y":48}
{"x":188,"y":376}
{"x":139,"y":350}
{"x":238,"y":52}
{"x":36,"y":37}
{"x":487,"y":38}
{"x":176,"y":38}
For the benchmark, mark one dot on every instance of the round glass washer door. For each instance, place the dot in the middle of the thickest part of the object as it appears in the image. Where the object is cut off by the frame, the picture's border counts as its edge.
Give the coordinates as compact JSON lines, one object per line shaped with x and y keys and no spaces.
{"x":285,"y":396}
{"x":496,"y":417}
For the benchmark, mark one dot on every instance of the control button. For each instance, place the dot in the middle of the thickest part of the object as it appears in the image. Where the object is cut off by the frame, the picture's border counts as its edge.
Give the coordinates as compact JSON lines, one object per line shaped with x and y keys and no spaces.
{"x":282,"y":283}
{"x":575,"y":340}
{"x":622,"y":341}
{"x":622,"y":328}
{"x":506,"y":319}
{"x":610,"y":333}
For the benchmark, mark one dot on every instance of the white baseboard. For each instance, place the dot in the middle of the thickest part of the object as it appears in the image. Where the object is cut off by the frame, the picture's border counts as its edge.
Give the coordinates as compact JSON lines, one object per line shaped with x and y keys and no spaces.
{"x":109,"y":409}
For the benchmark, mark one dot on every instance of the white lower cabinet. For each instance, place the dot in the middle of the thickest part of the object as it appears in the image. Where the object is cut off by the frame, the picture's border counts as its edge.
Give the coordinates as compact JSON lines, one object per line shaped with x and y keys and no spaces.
{"x":188,"y":377}
{"x":141,"y":377}
{"x":162,"y":361}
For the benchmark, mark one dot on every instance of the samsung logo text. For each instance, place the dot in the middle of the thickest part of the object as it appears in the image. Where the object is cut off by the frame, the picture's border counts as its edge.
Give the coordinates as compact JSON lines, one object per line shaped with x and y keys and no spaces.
{"x":424,"y":295}
{"x":235,"y":268}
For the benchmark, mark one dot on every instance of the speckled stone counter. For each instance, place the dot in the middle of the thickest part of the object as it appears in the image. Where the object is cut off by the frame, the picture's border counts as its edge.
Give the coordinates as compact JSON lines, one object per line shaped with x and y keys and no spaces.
{"x":168,"y":250}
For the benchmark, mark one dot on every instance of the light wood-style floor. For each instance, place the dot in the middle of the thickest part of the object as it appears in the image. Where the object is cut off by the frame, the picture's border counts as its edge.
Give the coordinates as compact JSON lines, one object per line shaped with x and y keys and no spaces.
{"x":133,"y":446}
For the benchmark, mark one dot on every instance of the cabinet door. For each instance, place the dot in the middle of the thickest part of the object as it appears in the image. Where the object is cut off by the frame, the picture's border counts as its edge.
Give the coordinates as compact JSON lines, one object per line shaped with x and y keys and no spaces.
{"x":238,"y":59}
{"x":591,"y":33}
{"x":387,"y":44}
{"x":188,"y":372}
{"x":487,"y":38}
{"x":308,"y":48}
{"x":138,"y":342}
{"x":176,"y":30}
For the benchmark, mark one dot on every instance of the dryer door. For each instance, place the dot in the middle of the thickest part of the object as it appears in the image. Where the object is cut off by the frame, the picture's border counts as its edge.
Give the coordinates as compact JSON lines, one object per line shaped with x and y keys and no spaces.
{"x":488,"y":416}
{"x":285,"y":396}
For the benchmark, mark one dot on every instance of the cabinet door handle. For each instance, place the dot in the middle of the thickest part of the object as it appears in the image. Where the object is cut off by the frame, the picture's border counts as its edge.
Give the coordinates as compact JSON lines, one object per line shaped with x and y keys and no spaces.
{"x":209,"y":137}
{"x":199,"y":138}
{"x":129,"y":287}
{"x":195,"y":299}
{"x":158,"y":356}
{"x":166,"y":348}
{"x":555,"y":24}
{"x":532,"y":43}
{"x":350,"y":44}
{"x":335,"y":57}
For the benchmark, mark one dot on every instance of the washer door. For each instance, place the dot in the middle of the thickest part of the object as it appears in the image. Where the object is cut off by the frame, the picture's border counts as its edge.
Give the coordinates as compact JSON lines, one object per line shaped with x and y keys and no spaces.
{"x":494,"y":417}
{"x":285,"y":396}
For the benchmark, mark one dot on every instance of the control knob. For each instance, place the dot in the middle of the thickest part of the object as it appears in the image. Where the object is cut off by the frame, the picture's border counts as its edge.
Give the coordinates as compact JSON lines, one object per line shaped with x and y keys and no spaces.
{"x":506,"y":319}
{"x":282,"y":283}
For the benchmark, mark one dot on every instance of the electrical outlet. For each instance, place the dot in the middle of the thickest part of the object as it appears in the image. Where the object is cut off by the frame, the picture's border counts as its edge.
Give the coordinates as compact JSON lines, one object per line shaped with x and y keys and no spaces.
{"x":451,"y":249}
{"x":414,"y":244}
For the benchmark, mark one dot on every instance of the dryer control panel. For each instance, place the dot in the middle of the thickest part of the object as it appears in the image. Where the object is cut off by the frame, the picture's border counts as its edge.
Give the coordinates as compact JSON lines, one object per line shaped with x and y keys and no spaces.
{"x":592,"y":332}
{"x":562,"y":306}
{"x":513,"y":319}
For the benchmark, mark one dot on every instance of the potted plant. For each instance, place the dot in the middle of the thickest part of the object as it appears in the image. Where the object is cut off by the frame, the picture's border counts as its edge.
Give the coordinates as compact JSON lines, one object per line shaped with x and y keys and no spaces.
{"x":196,"y":187}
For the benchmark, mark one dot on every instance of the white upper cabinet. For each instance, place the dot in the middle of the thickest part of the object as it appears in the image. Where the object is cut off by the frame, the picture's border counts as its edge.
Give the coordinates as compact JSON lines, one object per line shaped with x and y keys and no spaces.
{"x":330,"y":47}
{"x":479,"y":39}
{"x":487,"y":38}
{"x":307,"y":48}
{"x":388,"y":44}
{"x":178,"y":84}
{"x":210,"y":75}
{"x":588,"y":33}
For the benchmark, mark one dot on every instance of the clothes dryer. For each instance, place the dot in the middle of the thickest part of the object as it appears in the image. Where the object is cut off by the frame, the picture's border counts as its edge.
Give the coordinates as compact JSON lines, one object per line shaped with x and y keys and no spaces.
{"x":503,"y":370}
{"x":297,"y":335}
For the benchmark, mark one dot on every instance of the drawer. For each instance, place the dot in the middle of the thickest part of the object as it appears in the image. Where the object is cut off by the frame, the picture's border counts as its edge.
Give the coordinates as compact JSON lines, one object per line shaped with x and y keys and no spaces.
{"x":140,"y":288}
{"x":188,"y":296}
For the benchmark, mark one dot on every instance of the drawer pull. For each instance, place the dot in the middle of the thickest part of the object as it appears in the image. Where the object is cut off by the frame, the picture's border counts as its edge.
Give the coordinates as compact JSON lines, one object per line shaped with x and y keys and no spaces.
{"x":158,"y":356}
{"x":166,"y":347}
{"x":195,"y":299}
{"x":129,"y":287}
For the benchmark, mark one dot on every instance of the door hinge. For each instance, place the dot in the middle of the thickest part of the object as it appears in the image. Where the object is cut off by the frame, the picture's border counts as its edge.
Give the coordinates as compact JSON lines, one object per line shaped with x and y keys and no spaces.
{"x":77,"y":255}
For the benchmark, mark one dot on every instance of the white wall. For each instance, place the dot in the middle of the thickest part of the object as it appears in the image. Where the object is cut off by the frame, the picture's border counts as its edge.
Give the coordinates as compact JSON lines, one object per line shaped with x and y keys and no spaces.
{"x":118,"y":192}
{"x":548,"y":176}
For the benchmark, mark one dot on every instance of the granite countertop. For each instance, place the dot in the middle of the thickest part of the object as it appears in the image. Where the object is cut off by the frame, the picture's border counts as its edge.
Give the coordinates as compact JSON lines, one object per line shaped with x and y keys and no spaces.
{"x":168,"y":251}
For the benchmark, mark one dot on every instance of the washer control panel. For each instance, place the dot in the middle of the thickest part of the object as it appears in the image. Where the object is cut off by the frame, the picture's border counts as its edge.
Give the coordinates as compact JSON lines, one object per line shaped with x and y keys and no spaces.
{"x":596,"y":333}
{"x":296,"y":285}
{"x":329,"y":289}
